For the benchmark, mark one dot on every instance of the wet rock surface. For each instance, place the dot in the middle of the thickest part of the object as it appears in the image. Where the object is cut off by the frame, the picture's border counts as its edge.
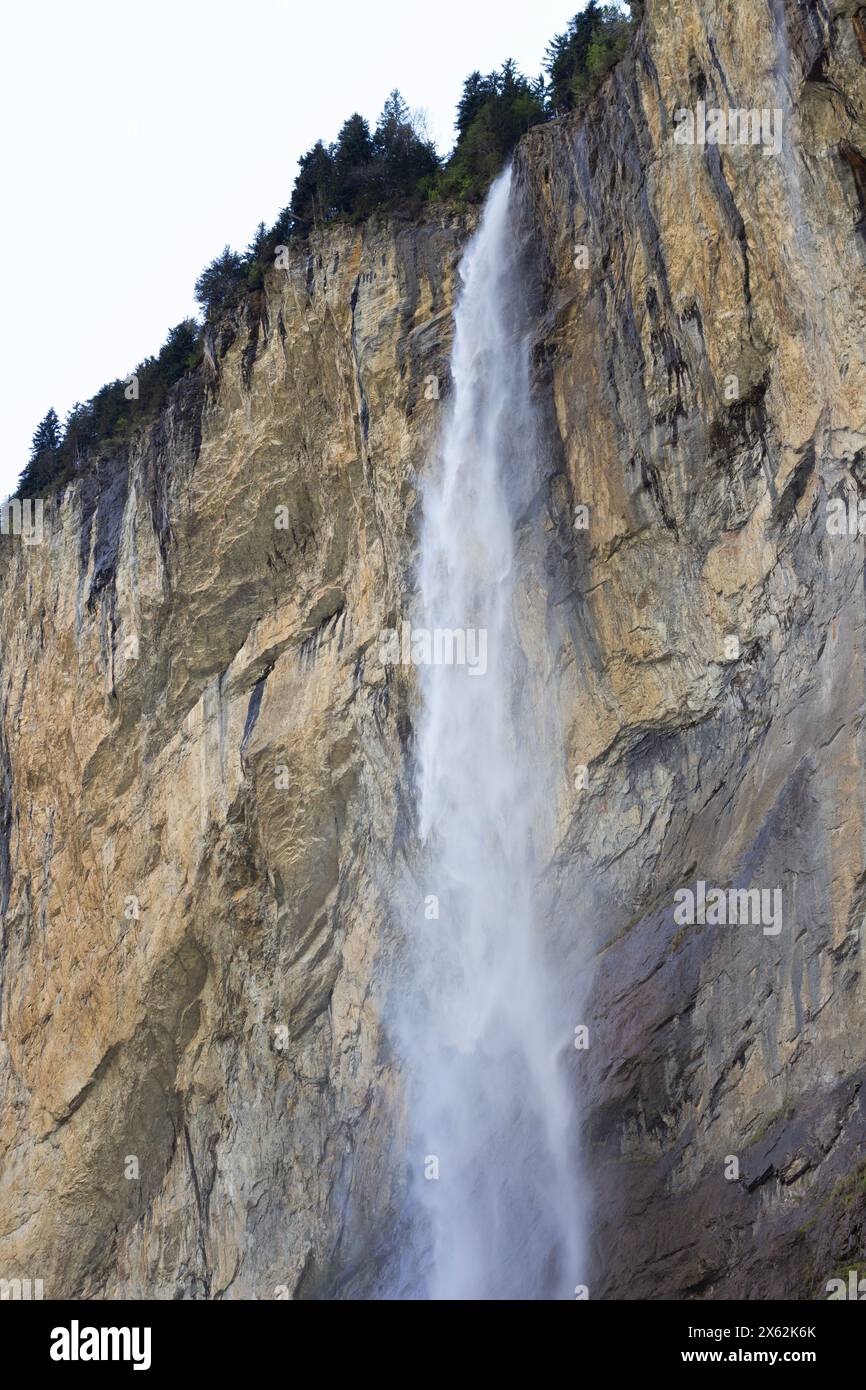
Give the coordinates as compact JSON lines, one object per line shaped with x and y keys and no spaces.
{"x":708,"y":377}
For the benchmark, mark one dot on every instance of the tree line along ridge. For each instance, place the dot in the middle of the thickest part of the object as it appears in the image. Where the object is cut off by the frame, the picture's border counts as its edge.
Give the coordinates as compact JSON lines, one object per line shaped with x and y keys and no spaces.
{"x":393,"y":169}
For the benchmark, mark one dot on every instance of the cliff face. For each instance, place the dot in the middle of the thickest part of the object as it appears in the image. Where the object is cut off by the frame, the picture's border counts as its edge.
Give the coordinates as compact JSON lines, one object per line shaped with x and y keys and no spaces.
{"x":708,"y":378}
{"x":204,"y":762}
{"x":206,"y":769}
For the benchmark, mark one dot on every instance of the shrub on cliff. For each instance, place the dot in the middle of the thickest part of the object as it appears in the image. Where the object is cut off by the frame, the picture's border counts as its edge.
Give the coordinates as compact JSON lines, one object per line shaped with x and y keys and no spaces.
{"x":393,"y":168}
{"x":123,"y":406}
{"x":578,"y":59}
{"x":494,"y":111}
{"x":41,"y":467}
{"x":361,"y":172}
{"x":353,"y":172}
{"x":403,"y":154}
{"x":312,"y":200}
{"x":47,"y":435}
{"x":111,"y":416}
{"x":220,"y":282}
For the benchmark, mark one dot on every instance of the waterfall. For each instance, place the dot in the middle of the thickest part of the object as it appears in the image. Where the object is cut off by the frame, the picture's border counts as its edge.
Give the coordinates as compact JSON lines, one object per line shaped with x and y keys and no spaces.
{"x":481,"y":1027}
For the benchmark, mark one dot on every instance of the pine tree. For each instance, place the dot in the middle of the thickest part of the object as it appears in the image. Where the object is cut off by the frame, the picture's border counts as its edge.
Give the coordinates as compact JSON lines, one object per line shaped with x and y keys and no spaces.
{"x":179,"y":352}
{"x":493,"y":114}
{"x":476,"y":91}
{"x":312,"y":195}
{"x":577,"y":60}
{"x":354,"y":166}
{"x":46,"y":436}
{"x":404,"y":157}
{"x":566,"y":57}
{"x":393,"y":120}
{"x":42,"y":466}
{"x":220,"y":283}
{"x":258,"y":244}
{"x":257,"y":257}
{"x":510,"y":79}
{"x":78,"y":432}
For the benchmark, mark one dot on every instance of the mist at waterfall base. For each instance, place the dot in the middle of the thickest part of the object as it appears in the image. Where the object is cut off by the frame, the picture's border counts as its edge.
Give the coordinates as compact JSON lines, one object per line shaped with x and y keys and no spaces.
{"x":483,"y":1024}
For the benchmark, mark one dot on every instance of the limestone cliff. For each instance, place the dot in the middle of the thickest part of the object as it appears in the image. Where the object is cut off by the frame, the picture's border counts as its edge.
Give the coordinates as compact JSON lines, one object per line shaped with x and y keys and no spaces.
{"x":206,"y":770}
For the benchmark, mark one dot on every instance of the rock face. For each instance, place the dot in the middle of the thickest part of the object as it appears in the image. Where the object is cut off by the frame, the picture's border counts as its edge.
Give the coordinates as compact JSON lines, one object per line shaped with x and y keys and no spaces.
{"x":206,"y":771}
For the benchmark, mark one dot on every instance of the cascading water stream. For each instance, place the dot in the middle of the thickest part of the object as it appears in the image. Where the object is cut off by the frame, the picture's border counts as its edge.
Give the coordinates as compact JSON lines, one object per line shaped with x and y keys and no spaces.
{"x":481,"y":1027}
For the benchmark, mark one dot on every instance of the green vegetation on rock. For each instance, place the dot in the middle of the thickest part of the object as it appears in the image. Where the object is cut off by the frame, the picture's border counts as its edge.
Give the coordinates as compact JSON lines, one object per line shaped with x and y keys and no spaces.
{"x":394,"y":170}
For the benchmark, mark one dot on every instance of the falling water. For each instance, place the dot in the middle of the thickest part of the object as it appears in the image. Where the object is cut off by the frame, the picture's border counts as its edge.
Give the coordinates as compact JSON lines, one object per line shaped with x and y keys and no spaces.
{"x":481,"y":1028}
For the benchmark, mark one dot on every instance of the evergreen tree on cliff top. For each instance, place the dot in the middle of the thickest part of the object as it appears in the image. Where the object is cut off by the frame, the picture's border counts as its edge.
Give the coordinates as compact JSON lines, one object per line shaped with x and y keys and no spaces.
{"x":354,"y":175}
{"x":577,"y":60}
{"x":493,"y":113}
{"x":312,"y":196}
{"x":47,"y":435}
{"x":476,"y":91}
{"x":403,"y":155}
{"x":217,"y":286}
{"x":41,"y":467}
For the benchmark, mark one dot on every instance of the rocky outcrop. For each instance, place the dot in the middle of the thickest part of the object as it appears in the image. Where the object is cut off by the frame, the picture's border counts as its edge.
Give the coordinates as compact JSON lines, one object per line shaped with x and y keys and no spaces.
{"x":707,"y":369}
{"x":204,"y":761}
{"x":205,"y":770}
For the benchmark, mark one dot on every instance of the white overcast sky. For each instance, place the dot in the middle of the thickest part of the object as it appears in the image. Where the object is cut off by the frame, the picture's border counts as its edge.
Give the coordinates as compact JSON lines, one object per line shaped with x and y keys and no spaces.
{"x":140,"y":138}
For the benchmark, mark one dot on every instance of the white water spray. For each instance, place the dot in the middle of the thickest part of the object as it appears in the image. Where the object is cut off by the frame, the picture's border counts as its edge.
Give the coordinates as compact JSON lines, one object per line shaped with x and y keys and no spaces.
{"x":480,"y":1027}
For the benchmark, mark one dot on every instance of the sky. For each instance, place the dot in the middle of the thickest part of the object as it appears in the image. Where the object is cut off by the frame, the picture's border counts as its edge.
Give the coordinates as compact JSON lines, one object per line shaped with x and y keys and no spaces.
{"x":140,"y":139}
